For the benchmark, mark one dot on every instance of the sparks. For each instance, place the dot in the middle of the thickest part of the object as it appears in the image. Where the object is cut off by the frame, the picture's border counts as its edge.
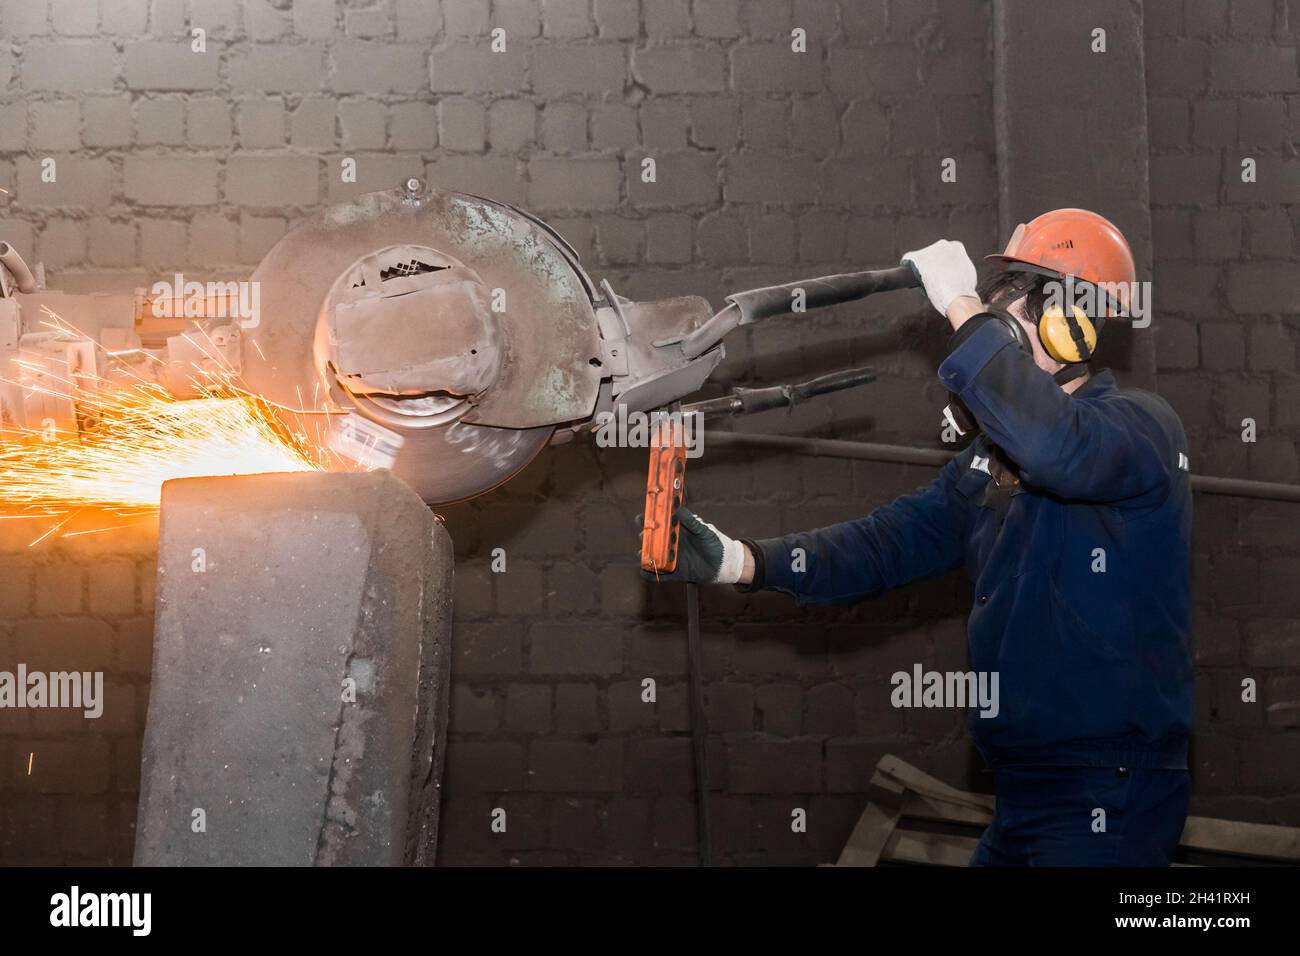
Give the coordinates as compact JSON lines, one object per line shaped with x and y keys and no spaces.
{"x":139,"y":438}
{"x":130,"y":437}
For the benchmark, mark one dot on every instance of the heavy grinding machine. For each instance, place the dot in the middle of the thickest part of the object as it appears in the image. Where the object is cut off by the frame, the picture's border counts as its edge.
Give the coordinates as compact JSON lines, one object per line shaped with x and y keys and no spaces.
{"x":446,"y":336}
{"x":460,"y":333}
{"x":457,"y":334}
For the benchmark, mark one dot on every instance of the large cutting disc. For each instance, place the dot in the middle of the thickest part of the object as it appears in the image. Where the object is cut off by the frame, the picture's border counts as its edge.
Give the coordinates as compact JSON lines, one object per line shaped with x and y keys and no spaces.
{"x":551,"y":350}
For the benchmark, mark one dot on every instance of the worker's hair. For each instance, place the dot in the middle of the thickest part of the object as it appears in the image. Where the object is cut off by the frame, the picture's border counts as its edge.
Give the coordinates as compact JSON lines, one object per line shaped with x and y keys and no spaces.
{"x":1002,"y":289}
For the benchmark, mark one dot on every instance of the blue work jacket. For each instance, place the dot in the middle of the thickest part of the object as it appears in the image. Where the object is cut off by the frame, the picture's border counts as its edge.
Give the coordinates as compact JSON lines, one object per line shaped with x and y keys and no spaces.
{"x":1080,"y":573}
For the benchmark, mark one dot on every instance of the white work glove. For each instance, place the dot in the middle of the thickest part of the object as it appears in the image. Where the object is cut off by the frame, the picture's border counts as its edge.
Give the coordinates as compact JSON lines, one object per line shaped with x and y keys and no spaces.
{"x":733,"y":554}
{"x":704,"y":554}
{"x":946,"y":272}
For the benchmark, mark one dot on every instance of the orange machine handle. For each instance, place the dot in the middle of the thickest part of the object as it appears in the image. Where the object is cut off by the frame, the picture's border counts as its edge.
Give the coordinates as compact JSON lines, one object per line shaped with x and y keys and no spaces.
{"x":665,"y":488}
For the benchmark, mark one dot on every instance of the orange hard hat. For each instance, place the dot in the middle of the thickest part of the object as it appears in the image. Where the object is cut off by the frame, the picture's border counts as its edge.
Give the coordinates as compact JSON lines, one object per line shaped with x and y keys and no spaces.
{"x":1072,"y":242}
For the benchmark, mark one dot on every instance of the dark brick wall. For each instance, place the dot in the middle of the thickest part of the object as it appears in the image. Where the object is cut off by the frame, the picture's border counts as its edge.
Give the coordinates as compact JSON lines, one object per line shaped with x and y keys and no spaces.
{"x":1223,"y":86}
{"x":68,"y":785}
{"x":771,"y":168}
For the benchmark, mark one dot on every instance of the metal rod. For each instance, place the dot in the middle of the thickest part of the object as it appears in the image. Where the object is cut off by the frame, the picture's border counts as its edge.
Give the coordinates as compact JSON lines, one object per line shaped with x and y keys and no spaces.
{"x":906,"y":455}
{"x":695,"y":654}
{"x":744,"y":401}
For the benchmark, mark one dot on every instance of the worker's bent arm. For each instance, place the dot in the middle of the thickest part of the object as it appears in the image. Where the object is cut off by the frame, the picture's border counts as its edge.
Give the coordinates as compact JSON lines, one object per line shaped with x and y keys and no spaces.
{"x":1112,"y":448}
{"x":916,"y":536}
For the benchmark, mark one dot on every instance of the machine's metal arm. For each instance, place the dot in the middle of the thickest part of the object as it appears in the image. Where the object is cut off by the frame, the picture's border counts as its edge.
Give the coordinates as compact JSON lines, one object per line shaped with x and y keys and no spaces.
{"x":755,"y":304}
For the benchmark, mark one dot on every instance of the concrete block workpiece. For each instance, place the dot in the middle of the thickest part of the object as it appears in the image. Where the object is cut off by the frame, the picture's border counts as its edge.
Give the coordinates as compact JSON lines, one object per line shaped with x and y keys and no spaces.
{"x":298,"y":710}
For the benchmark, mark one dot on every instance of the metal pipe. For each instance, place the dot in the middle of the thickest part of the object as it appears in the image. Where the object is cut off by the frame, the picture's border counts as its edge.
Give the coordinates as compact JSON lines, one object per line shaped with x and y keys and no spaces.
{"x":710,"y":333}
{"x":1245,"y":488}
{"x":906,"y":455}
{"x":11,"y":260}
{"x":833,"y":448}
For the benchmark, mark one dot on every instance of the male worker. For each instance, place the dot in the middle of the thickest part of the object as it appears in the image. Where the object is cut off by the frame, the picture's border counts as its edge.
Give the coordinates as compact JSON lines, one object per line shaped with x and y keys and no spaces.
{"x":1071,"y":513}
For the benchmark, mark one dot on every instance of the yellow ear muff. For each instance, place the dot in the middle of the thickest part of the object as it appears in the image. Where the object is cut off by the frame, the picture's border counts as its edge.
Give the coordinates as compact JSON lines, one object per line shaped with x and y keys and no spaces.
{"x":1065,"y":340}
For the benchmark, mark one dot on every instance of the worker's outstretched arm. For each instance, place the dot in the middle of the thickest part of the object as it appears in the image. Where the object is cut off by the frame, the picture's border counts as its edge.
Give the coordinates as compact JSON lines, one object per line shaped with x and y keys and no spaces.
{"x":1114,"y":447}
{"x":916,"y":536}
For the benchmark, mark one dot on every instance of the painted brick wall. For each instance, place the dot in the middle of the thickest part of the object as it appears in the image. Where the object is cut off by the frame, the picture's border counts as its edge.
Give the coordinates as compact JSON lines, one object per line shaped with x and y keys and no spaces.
{"x":771,"y":167}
